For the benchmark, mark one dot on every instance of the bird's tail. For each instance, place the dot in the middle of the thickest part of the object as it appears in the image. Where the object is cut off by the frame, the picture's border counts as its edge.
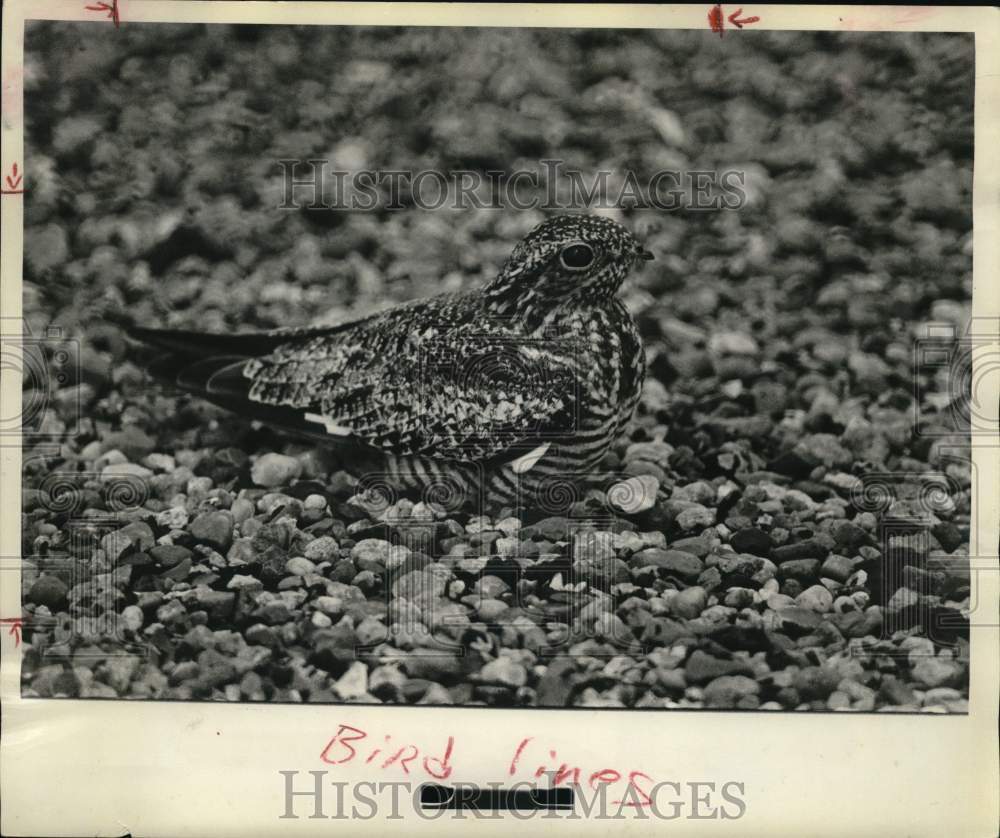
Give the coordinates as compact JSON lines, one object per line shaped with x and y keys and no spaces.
{"x":194,"y":344}
{"x":211,"y":366}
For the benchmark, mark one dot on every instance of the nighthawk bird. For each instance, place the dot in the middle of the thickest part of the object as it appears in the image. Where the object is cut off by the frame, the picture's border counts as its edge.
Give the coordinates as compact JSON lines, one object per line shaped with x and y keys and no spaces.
{"x":493,"y":391}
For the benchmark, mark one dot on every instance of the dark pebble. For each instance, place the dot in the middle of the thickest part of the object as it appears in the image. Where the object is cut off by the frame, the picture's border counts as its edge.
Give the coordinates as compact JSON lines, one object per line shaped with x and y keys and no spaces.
{"x":66,"y":684}
{"x":741,"y":638}
{"x":801,"y":569}
{"x":49,"y":591}
{"x":790,"y":464}
{"x":555,"y":687}
{"x":849,"y":537}
{"x":752,"y":540}
{"x":810,"y":548}
{"x":168,"y":555}
{"x":333,"y":649}
{"x":218,"y":604}
{"x":948,"y":535}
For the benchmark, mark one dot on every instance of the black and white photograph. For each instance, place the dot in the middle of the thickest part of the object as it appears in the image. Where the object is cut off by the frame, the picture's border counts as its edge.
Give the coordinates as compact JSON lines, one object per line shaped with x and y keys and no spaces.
{"x":618,"y":369}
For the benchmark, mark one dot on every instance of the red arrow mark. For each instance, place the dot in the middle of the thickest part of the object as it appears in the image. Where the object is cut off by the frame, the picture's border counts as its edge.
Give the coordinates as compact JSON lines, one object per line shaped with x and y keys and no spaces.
{"x":111,"y":8}
{"x":15,"y":628}
{"x":740,"y":23}
{"x":715,"y":19}
{"x":13,"y":180}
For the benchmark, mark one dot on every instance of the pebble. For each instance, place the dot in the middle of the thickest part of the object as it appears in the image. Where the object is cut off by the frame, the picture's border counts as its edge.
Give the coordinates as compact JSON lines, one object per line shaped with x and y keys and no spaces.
{"x":241,"y":510}
{"x":862,"y":697}
{"x":371,"y":554}
{"x":174,"y":518}
{"x":838,"y":701}
{"x":491,"y":587}
{"x":314,"y":503}
{"x":807,"y":549}
{"x":509,"y":526}
{"x":169,"y":555}
{"x":133,"y":618}
{"x":696,"y":516}
{"x":634,"y":495}
{"x":824,"y":449}
{"x":555,"y":685}
{"x":698,"y":492}
{"x":432,"y":664}
{"x":421,"y":586}
{"x":299,"y":566}
{"x":814,"y":682}
{"x":751,"y":540}
{"x":657,"y":452}
{"x":896,"y":692}
{"x":125,"y":471}
{"x":214,"y":529}
{"x":244,"y":583}
{"x":838,"y":568}
{"x":136,"y":535}
{"x":322,"y":549}
{"x":594,"y":546}
{"x":490,"y":609}
{"x":695,"y":545}
{"x":726,"y":691}
{"x":702,"y":667}
{"x":49,"y":591}
{"x":732,"y":343}
{"x":850,"y":537}
{"x":682,"y":565}
{"x":689,"y":603}
{"x":160,"y":462}
{"x":935,"y":672}
{"x":320,"y":620}
{"x":804,"y":570}
{"x":273,"y":470}
{"x":802,"y":620}
{"x":815,"y":598}
{"x":740,"y":597}
{"x":504,"y":671}
{"x":942,"y":695}
{"x":353,"y":683}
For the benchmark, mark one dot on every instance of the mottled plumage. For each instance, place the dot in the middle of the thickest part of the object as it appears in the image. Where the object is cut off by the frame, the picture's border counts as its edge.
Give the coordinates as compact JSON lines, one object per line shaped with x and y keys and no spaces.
{"x":494,"y":390}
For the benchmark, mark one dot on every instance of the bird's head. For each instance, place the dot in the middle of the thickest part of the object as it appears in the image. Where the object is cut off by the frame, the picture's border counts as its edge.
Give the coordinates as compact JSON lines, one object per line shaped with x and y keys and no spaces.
{"x":569,"y":257}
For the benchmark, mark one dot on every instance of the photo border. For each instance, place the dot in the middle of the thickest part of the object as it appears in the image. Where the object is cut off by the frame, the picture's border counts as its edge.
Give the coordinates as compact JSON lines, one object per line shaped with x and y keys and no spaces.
{"x":85,"y":767}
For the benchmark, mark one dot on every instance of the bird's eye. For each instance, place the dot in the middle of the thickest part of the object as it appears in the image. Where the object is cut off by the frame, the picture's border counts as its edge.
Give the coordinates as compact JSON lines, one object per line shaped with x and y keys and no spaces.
{"x":577,"y":257}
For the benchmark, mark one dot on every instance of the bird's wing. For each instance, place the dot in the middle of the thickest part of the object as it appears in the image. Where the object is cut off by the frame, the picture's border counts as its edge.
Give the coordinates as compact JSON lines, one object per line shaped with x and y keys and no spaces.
{"x":429,"y":377}
{"x":461,"y":393}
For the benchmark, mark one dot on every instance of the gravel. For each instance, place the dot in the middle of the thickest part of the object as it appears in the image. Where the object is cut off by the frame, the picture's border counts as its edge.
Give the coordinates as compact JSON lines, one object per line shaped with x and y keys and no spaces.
{"x":733,"y":553}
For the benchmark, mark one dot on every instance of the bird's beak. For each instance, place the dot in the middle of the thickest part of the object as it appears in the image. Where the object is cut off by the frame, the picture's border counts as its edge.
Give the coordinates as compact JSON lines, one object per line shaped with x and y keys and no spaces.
{"x":646,"y":255}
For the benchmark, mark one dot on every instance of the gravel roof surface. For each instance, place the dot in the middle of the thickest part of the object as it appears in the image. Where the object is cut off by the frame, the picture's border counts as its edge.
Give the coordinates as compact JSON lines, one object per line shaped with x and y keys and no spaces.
{"x":801,"y":535}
